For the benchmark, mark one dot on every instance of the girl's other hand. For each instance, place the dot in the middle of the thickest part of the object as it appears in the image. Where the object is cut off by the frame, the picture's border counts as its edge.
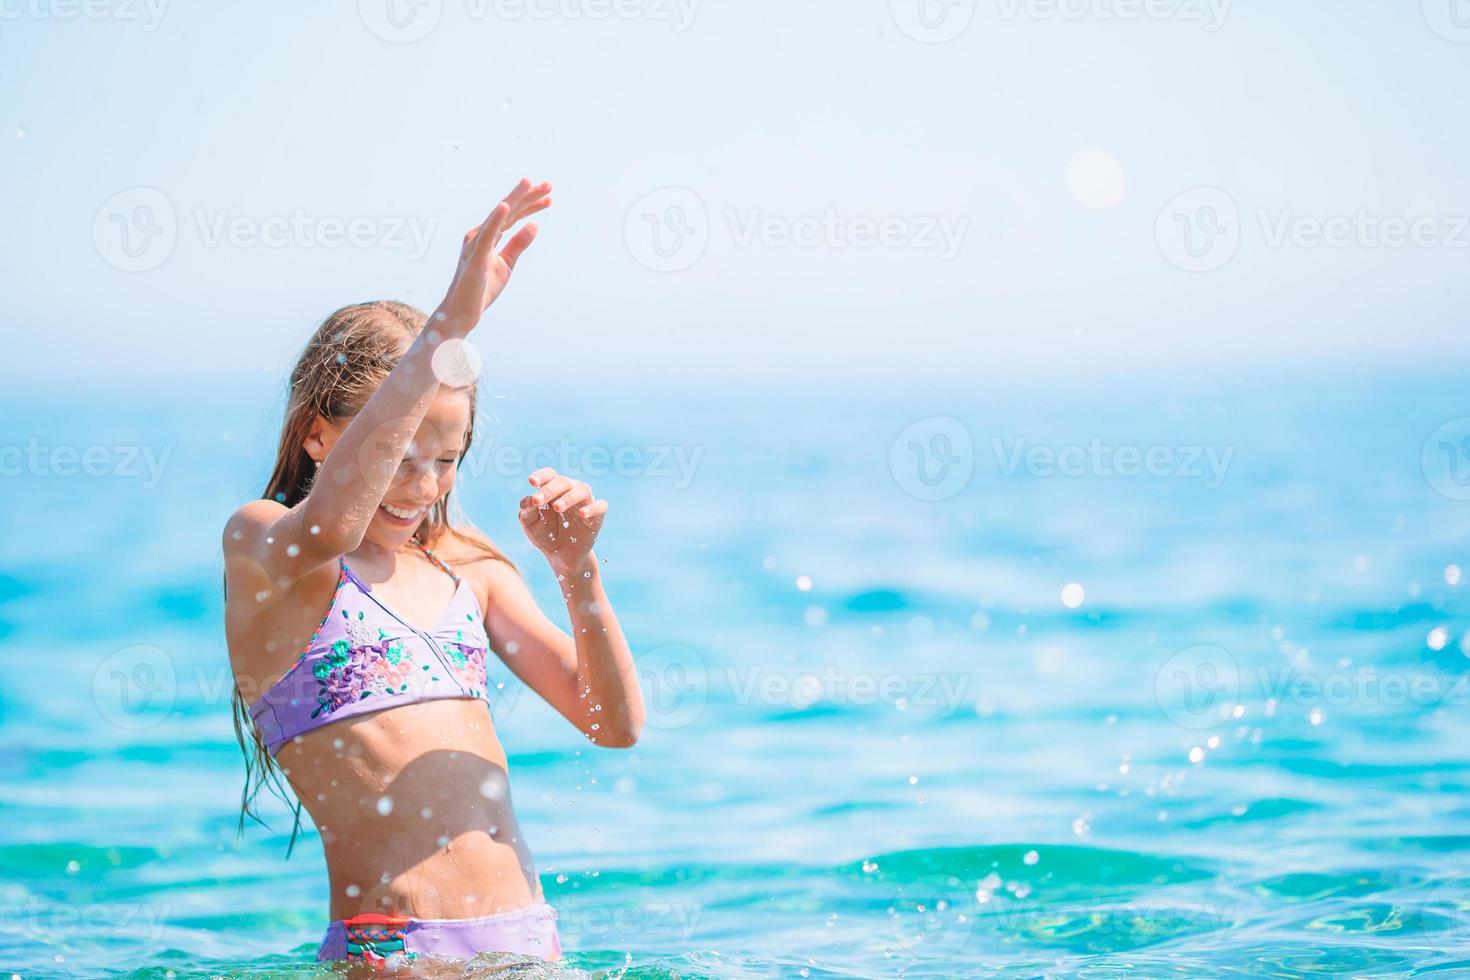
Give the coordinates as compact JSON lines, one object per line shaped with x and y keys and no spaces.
{"x":483,"y":271}
{"x":561,"y":518}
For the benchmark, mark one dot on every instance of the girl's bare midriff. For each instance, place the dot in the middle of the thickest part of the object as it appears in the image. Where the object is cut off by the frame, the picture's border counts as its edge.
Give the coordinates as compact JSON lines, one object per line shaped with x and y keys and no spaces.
{"x":414,"y":810}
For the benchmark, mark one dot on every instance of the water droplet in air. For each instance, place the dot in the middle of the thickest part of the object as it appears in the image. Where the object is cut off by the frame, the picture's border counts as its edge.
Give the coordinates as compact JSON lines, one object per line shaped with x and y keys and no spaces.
{"x":353,"y":891}
{"x":1197,"y":755}
{"x":1073,"y":595}
{"x":804,"y":583}
{"x":385,"y":805}
{"x":1031,"y":857}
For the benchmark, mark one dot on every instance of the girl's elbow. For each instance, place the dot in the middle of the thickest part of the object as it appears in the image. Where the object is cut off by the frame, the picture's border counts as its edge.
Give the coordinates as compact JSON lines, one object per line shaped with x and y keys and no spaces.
{"x":614,"y":738}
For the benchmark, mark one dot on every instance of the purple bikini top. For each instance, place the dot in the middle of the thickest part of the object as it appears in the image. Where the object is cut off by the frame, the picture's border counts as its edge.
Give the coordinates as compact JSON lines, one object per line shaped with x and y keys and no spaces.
{"x":364,"y":657}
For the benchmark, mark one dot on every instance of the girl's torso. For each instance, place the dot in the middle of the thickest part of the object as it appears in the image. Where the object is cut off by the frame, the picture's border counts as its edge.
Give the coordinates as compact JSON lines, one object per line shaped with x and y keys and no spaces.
{"x":382,"y":727}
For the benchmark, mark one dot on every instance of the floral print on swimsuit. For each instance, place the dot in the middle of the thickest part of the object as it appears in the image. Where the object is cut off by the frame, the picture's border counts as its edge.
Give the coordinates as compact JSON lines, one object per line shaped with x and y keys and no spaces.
{"x":352,"y":671}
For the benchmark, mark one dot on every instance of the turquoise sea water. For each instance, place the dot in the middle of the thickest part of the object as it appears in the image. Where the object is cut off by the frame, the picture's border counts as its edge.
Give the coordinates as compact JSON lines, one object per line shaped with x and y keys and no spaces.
{"x":881,"y":742}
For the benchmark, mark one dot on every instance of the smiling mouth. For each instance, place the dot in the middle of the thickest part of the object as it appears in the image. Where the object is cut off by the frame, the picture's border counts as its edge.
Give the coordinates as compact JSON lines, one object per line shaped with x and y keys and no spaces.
{"x":401,"y":516}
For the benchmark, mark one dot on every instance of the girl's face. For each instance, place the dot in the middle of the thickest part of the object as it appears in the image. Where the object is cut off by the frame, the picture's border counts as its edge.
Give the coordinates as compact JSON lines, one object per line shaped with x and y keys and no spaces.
{"x":426,"y":474}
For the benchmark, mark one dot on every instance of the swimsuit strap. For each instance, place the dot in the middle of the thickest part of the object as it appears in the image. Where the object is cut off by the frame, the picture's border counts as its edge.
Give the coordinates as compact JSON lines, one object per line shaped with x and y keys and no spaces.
{"x":436,"y":560}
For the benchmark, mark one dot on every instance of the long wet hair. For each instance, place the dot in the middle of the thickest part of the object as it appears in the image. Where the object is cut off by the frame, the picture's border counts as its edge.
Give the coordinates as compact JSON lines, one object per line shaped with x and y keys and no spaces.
{"x":343,"y":363}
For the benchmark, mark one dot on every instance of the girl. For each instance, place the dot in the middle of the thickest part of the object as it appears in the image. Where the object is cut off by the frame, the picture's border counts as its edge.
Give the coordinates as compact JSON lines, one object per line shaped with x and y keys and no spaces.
{"x":358,"y":618}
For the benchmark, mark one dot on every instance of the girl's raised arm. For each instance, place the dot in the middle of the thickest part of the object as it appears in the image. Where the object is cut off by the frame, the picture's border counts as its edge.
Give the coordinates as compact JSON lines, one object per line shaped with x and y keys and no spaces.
{"x":284,"y":544}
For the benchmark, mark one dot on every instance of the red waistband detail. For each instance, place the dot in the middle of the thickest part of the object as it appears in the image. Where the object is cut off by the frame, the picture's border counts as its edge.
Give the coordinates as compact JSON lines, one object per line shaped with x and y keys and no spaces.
{"x":374,"y":919}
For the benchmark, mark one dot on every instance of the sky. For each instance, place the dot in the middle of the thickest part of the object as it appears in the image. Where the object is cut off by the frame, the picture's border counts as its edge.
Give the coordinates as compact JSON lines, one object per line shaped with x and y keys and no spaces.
{"x":903,"y":189}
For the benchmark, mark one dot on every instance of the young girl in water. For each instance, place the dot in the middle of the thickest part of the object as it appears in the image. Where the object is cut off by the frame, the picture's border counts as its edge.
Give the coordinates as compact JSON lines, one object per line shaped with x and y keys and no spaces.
{"x":359,"y":617}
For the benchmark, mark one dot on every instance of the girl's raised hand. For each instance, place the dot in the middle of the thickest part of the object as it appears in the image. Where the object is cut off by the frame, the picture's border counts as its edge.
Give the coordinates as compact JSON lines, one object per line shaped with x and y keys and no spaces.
{"x":484,"y":267}
{"x":561,"y":518}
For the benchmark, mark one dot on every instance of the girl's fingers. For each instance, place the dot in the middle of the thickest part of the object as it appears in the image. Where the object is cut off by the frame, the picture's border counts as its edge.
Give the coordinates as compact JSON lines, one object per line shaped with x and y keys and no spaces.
{"x":522,"y":193}
{"x":552,"y":490}
{"x":579,"y":494}
{"x":518,"y":244}
{"x":529,"y":512}
{"x":593,"y":513}
{"x":529,"y":209}
{"x":523,"y":201}
{"x":527,"y":197}
{"x":542,"y":476}
{"x":489,"y":234}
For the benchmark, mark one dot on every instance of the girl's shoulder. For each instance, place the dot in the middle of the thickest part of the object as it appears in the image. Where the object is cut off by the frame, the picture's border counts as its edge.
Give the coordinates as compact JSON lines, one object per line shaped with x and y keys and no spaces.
{"x":470,"y":554}
{"x":249,"y":523}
